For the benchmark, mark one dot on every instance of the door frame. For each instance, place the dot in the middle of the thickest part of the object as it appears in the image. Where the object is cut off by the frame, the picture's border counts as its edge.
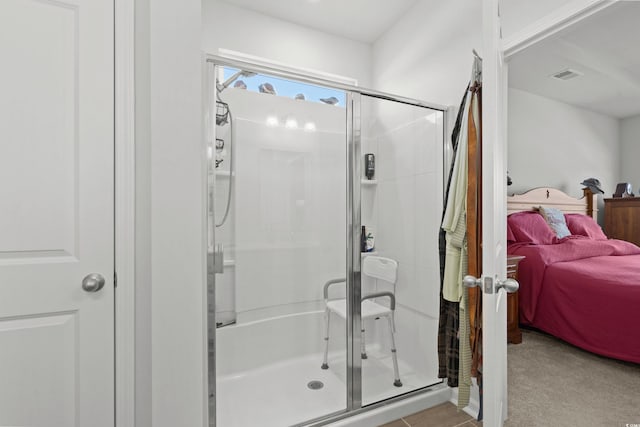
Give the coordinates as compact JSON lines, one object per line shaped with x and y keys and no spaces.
{"x":494,"y":221}
{"x":124,"y":212}
{"x":496,"y":52}
{"x":551,"y":24}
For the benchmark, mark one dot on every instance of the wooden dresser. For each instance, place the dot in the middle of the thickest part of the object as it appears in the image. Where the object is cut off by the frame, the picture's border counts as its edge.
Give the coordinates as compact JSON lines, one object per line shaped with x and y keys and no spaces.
{"x":514,"y":335}
{"x":622,"y":219}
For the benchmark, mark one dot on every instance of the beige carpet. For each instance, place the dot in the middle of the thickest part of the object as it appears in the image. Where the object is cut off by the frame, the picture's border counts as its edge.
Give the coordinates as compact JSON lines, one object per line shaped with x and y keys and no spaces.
{"x":552,"y":383}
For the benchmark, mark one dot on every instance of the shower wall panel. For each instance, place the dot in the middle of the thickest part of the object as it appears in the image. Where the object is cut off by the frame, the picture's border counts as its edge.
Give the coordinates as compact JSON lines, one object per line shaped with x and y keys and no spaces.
{"x":225,"y":291}
{"x":290,"y":202}
{"x":408,"y":203}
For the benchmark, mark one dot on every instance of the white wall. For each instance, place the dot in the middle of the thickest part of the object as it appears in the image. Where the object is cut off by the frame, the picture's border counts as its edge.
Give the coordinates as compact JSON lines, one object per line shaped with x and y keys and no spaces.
{"x":630,"y":149}
{"x":558,"y":145}
{"x":230,"y":27}
{"x":427,"y":54}
{"x":177,"y":184}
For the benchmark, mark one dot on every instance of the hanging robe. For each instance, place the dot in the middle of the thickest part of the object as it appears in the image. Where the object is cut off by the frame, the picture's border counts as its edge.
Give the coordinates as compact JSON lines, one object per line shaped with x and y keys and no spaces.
{"x":475,"y":310}
{"x":455,"y":223}
{"x":463,"y":192}
{"x":455,"y":227}
{"x":448,"y":341}
{"x":475,"y":296}
{"x":474,"y":257}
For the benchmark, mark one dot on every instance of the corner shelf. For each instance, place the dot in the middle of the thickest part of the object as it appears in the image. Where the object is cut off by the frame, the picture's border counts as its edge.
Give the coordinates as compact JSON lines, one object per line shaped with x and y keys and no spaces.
{"x":369,"y":181}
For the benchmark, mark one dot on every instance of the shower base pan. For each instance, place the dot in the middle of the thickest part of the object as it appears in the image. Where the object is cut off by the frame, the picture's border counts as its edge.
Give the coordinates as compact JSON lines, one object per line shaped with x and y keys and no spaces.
{"x":295,"y":391}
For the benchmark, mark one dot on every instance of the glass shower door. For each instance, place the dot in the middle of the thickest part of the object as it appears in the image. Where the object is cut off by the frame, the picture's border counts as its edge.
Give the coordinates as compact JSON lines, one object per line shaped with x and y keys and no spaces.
{"x":401,"y":205}
{"x":317,"y":198}
{"x":277,"y":166}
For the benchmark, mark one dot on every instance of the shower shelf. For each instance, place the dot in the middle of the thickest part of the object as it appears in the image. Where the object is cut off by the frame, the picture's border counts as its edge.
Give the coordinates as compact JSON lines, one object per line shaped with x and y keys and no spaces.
{"x":369,"y":181}
{"x":224,"y":174}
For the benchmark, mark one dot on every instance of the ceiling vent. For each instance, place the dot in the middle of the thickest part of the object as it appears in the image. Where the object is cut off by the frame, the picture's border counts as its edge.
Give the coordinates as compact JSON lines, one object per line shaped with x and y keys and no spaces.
{"x":566,"y":74}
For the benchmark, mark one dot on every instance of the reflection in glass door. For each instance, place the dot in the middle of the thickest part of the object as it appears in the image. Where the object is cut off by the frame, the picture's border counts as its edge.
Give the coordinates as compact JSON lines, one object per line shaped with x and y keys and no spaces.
{"x":401,"y":204}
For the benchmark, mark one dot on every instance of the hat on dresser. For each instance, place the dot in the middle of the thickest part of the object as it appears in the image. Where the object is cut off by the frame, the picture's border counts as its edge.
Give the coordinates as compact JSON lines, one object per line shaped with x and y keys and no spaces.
{"x":592,"y":184}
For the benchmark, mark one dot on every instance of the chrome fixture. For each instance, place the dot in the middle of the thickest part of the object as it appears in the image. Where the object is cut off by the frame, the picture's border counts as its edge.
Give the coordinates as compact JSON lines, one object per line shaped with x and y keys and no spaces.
{"x":233,"y":78}
{"x":509,"y":285}
{"x":93,"y":282}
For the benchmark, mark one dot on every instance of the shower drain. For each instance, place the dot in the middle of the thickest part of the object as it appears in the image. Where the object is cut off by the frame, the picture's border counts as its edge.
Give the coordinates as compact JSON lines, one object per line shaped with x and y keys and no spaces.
{"x":315,"y":385}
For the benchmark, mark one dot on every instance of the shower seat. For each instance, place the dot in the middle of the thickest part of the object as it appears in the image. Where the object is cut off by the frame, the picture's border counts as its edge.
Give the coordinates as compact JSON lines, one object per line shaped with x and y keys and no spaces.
{"x":380,"y":268}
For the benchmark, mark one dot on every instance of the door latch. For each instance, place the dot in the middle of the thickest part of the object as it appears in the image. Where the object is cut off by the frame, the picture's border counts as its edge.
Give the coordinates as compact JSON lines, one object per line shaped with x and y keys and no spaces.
{"x":509,"y":285}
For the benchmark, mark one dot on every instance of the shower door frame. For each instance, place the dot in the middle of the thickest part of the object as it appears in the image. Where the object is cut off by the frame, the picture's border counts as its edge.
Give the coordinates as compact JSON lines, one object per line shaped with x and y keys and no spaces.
{"x":353,"y":256}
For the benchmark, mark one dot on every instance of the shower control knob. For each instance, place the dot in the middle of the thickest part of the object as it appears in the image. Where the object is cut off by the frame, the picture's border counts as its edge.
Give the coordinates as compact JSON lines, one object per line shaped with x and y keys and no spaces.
{"x":93,"y":282}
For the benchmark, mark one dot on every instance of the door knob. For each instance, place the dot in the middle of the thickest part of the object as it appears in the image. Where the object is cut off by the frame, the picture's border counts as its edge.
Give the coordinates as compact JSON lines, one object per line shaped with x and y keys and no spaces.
{"x":509,"y":285}
{"x":93,"y":282}
{"x":471,"y":282}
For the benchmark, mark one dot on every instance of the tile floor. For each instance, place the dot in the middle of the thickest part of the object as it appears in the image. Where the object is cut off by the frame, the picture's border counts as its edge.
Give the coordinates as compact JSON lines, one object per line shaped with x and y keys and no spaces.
{"x":444,"y":415}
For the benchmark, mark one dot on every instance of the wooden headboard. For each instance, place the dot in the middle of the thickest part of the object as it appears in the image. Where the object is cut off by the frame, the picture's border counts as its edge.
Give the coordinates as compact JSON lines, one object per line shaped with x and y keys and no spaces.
{"x":553,"y":198}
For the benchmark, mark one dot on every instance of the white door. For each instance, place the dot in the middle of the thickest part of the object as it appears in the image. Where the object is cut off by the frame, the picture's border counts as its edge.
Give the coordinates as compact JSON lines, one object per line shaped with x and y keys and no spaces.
{"x":56,"y":213}
{"x":494,"y":218}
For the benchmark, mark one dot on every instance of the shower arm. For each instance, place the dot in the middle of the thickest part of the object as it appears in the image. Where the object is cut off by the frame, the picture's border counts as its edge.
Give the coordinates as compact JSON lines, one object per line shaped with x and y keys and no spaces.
{"x":227,"y":83}
{"x":222,"y":86}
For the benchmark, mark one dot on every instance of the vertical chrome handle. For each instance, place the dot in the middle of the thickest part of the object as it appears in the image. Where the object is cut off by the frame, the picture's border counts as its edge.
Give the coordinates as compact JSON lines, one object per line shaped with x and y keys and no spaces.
{"x":93,"y":282}
{"x":218,"y":258}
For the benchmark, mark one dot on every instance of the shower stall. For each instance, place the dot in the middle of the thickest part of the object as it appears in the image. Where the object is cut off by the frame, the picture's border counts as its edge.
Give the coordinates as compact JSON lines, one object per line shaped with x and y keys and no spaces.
{"x":307,"y":179}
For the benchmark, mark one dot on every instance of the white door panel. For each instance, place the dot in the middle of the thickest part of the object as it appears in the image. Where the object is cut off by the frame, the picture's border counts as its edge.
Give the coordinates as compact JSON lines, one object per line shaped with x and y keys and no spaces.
{"x":494,"y":218}
{"x":56,"y":212}
{"x":38,"y":362}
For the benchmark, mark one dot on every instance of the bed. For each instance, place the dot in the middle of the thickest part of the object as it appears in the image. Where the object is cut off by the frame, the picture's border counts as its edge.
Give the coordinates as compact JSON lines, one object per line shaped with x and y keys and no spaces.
{"x":582,"y":288}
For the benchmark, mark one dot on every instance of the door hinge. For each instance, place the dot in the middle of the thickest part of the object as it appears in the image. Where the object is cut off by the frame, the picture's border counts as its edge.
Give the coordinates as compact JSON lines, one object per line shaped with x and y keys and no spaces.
{"x":115,"y":279}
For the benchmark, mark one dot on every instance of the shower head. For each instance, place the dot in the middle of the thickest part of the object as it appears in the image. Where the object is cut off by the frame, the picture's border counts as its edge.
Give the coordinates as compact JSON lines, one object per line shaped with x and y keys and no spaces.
{"x":227,"y":83}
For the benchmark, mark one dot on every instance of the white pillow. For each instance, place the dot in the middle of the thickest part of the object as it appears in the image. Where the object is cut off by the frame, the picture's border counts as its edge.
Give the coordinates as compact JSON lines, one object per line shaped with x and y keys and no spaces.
{"x":555,"y":219}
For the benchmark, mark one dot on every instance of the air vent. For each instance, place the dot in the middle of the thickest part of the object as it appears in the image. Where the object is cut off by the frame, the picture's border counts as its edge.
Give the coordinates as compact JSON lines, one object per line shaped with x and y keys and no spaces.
{"x":566,"y":74}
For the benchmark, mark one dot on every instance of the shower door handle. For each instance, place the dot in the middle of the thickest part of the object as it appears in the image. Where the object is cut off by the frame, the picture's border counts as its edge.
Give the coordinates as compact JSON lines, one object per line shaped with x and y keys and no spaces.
{"x":218,"y":258}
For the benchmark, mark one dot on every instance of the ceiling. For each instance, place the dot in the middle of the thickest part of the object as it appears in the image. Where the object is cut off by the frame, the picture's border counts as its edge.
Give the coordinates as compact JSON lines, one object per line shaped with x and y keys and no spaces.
{"x":361,"y":20}
{"x":604,"y":48}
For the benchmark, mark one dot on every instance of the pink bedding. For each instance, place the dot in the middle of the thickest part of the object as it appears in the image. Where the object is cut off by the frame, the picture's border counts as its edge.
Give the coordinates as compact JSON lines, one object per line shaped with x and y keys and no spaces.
{"x":584,"y":291}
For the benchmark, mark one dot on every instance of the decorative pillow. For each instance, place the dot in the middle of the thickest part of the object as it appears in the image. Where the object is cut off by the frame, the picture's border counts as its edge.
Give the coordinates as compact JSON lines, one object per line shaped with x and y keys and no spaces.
{"x":555,"y":219}
{"x":583,"y":225}
{"x":530,"y":227}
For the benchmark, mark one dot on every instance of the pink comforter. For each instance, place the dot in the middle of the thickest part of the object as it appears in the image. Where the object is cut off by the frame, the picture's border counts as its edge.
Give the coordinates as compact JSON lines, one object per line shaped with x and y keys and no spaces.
{"x":586,"y":292}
